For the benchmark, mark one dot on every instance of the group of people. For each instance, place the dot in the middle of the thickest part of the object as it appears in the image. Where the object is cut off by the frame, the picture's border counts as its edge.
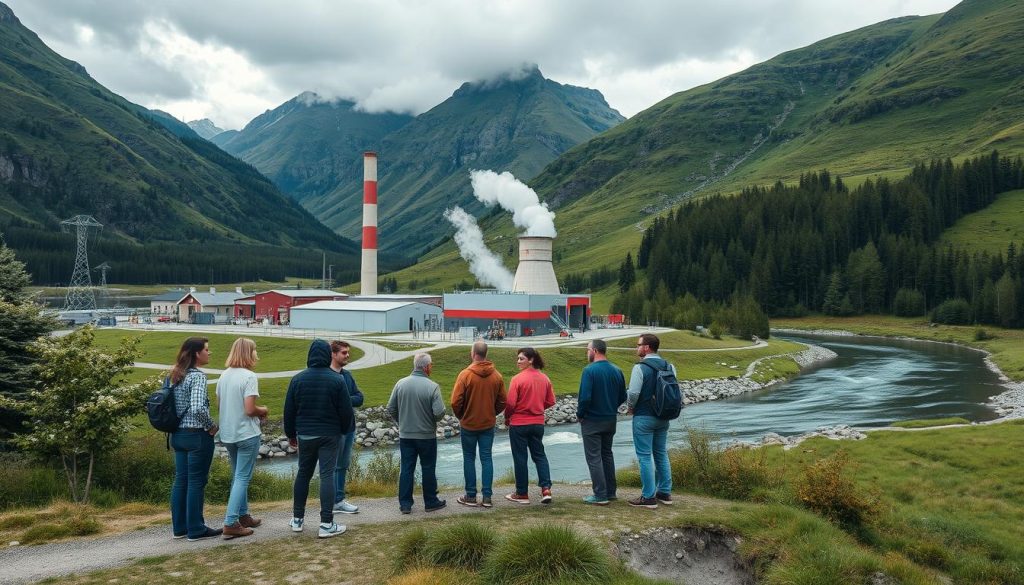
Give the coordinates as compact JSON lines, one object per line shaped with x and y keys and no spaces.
{"x":319,"y":421}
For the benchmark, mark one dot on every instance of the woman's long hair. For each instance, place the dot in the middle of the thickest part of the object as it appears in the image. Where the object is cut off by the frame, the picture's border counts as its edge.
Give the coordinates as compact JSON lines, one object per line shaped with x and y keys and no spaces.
{"x":187,"y":358}
{"x":534,"y":356}
{"x":242,"y":354}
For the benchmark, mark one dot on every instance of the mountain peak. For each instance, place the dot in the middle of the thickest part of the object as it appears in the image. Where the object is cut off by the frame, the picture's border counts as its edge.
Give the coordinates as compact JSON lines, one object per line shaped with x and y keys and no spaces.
{"x":205,"y":128}
{"x":7,"y":15}
{"x":526,"y":75}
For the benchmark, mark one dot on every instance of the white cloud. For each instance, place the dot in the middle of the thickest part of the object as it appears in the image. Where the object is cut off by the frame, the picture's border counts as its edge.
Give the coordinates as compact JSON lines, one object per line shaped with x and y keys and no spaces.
{"x":232,"y":59}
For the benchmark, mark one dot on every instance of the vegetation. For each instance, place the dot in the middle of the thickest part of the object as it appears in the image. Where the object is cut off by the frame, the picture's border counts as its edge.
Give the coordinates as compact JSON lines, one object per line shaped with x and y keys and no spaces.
{"x":989,"y":229}
{"x":931,"y":422}
{"x":462,"y":545}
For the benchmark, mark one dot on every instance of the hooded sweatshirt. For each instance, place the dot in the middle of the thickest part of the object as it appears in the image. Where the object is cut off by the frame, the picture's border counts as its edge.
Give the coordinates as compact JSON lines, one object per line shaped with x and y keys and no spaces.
{"x":478,"y":396}
{"x":317,"y":403}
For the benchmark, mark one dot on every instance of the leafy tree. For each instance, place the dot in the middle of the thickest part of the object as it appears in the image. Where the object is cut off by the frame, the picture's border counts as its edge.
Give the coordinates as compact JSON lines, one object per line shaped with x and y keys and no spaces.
{"x":82,"y":404}
{"x":908,"y":303}
{"x":21,"y":322}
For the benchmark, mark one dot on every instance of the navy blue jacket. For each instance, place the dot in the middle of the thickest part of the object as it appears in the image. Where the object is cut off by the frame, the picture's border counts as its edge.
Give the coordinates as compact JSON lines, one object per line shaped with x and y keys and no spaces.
{"x":354,"y":394}
{"x":318,"y":402}
{"x":602,"y":390}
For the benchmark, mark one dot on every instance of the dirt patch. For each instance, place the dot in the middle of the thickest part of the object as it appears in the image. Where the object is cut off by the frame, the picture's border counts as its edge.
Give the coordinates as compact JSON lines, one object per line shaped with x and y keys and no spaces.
{"x":694,"y":556}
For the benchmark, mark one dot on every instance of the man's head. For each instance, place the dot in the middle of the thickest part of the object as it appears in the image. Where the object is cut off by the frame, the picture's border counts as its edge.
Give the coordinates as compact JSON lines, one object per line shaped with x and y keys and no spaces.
{"x":648,"y":343}
{"x":422,"y":362}
{"x":340,"y":353}
{"x":479,"y":351}
{"x":596,"y":350}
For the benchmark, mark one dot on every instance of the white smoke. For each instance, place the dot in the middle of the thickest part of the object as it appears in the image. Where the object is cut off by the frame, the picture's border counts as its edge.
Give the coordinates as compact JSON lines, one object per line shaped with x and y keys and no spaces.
{"x":483,"y":263}
{"x":505,"y":190}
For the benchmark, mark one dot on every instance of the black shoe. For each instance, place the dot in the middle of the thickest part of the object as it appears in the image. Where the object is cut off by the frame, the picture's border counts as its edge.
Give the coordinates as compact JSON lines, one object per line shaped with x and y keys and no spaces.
{"x":210,"y":533}
{"x":440,"y":504}
{"x":405,"y":510}
{"x":663,"y":498}
{"x":642,"y":502}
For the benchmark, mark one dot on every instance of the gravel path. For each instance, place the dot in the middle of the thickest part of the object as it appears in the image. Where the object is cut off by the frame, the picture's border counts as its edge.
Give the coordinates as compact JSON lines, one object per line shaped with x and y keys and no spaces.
{"x":26,"y":564}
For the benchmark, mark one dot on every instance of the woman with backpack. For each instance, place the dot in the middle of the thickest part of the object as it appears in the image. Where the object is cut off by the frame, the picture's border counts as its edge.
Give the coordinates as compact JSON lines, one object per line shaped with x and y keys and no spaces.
{"x":240,"y":417}
{"x":192,"y":441}
{"x":529,"y":394}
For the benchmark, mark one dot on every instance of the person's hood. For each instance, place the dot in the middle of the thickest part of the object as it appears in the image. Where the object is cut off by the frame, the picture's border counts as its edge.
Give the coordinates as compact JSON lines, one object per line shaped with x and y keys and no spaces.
{"x":319,"y":354}
{"x":482,"y":369}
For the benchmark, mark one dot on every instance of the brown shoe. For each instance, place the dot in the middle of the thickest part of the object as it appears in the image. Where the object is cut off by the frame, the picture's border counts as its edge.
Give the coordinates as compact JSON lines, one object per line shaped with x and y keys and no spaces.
{"x":249,"y":522}
{"x":235,"y":530}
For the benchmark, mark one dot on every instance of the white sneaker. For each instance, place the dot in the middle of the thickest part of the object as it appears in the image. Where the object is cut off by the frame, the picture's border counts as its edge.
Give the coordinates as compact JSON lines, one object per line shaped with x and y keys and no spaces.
{"x":329,"y":530}
{"x":296,"y":524}
{"x":346,"y":508}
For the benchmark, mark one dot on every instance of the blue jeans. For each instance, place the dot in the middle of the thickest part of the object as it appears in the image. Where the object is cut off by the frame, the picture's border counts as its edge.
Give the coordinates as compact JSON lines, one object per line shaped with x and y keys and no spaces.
{"x":344,"y":459}
{"x":193,"y":454}
{"x":243,"y":460}
{"x":322,"y":450}
{"x":523,"y":438}
{"x":426,"y":451}
{"x":650,"y":438}
{"x":485,"y":440}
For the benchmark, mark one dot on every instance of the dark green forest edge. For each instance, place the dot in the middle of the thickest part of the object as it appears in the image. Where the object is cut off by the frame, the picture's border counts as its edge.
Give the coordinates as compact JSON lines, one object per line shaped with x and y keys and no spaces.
{"x":819,"y":246}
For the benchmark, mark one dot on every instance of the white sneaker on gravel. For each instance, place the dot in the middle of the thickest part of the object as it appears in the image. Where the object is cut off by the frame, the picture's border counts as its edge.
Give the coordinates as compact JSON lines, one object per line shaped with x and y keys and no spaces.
{"x":296,"y":524}
{"x":329,"y":530}
{"x":346,"y":508}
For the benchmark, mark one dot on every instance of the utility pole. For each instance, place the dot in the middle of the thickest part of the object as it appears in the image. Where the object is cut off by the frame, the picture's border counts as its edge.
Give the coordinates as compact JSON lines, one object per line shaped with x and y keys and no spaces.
{"x":80,"y":294}
{"x":330,"y":274}
{"x":323,"y":272}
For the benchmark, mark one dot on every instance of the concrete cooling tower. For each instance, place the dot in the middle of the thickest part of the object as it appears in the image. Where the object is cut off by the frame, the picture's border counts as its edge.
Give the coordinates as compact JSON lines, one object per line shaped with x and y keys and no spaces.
{"x":535,"y":274}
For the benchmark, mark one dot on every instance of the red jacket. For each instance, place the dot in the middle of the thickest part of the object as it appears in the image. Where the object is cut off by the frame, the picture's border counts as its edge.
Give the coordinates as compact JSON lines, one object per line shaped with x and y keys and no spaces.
{"x":529,"y":394}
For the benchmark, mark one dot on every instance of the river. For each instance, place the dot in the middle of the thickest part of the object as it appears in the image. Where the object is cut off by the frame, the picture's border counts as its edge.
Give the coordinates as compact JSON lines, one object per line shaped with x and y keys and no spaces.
{"x":872,"y":383}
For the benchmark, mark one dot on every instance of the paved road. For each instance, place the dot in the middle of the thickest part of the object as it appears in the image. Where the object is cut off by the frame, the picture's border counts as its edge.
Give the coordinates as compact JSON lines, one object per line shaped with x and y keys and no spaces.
{"x":25,"y":564}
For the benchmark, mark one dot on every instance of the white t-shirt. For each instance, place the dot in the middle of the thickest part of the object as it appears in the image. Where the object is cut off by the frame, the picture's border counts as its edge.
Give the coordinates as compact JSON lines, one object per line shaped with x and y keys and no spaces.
{"x":234,"y":386}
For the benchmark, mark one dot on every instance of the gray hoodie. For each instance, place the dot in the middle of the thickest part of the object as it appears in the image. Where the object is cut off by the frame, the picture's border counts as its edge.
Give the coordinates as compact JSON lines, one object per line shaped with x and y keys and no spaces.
{"x":416,"y":406}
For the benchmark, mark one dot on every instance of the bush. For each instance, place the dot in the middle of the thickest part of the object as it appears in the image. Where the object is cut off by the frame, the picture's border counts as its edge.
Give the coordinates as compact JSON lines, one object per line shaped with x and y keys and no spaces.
{"x":953,"y":312}
{"x":824,"y":488}
{"x":24,"y":483}
{"x":461,"y":546}
{"x":982,"y":335}
{"x":547,"y":554}
{"x":908,"y":303}
{"x":410,"y":550}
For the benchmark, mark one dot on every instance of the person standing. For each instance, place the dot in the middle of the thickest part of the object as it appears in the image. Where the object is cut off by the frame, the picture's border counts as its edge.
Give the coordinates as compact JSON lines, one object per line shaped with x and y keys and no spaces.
{"x":317,"y":411}
{"x":341,"y":352}
{"x":240,"y":418}
{"x":416,"y":406}
{"x":529,"y":394}
{"x":650,"y":433}
{"x":477,"y":398}
{"x":192,"y":442}
{"x":602,"y":390}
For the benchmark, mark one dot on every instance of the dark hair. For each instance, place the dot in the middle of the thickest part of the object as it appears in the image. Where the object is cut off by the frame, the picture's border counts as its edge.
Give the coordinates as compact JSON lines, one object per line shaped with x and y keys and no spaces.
{"x":186,"y":359}
{"x":533,"y":355}
{"x":337,"y":345}
{"x":651,"y":340}
{"x":599,"y":346}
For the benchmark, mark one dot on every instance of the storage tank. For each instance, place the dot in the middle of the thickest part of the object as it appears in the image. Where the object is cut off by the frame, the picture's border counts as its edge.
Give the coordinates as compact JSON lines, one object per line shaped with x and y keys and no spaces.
{"x":535,"y":273}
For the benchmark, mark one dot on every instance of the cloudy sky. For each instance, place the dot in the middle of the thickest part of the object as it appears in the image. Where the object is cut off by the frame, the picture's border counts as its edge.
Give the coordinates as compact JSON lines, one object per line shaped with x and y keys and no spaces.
{"x":229,"y":60}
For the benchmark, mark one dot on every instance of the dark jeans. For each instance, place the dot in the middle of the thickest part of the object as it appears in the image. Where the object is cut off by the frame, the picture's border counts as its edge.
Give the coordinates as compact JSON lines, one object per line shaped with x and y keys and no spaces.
{"x":426,"y":451}
{"x":597,"y":448}
{"x":322,"y":450}
{"x":485,"y":440}
{"x":193,"y":454}
{"x":523,"y":438}
{"x":344,"y":459}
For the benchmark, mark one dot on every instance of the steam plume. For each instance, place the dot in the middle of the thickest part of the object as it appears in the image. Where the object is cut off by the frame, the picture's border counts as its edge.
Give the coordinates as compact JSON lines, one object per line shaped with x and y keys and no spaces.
{"x":527,"y":210}
{"x":483,"y":263}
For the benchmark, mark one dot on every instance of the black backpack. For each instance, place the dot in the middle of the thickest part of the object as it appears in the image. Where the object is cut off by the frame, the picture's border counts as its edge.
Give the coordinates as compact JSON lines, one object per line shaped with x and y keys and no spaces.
{"x":667,"y":398}
{"x":163,"y":413}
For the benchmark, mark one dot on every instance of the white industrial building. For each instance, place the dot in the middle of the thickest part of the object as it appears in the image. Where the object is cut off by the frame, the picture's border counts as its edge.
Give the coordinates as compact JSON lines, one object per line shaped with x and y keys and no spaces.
{"x":367,"y":316}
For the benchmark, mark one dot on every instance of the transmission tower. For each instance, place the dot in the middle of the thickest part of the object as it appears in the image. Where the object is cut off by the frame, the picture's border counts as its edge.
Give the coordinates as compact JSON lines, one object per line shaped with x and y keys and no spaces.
{"x":104,"y":269}
{"x":80,"y":295}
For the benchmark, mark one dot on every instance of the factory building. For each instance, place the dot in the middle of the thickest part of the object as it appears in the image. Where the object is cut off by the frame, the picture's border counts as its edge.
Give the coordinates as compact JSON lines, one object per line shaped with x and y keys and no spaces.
{"x":367,"y":316}
{"x":515,"y":314}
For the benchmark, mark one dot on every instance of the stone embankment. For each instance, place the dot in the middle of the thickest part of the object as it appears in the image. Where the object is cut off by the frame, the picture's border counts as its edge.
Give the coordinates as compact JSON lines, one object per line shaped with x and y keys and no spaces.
{"x":374,"y":426}
{"x":836,"y":433}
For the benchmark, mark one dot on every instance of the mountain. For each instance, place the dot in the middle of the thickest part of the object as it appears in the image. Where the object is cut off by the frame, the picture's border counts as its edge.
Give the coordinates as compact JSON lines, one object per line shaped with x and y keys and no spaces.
{"x":205,"y":128}
{"x":516,"y":123}
{"x":308,"y":143}
{"x":872,"y":101}
{"x":70,"y":146}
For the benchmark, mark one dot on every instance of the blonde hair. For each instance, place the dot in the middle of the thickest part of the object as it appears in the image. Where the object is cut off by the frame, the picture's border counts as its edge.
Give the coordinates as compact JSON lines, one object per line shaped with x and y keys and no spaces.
{"x":242,"y":354}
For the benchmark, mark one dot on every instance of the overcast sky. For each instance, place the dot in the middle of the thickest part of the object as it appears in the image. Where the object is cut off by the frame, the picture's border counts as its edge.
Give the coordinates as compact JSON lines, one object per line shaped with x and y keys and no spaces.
{"x":229,"y":60}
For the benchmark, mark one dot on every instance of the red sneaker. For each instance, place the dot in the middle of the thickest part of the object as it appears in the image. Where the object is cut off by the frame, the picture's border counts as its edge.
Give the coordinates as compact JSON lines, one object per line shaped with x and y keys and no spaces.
{"x":545,"y":495}
{"x":518,"y":498}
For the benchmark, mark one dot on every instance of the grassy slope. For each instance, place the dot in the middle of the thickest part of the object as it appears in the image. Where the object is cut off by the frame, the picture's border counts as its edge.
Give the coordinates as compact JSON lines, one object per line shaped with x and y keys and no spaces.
{"x":991,"y":229}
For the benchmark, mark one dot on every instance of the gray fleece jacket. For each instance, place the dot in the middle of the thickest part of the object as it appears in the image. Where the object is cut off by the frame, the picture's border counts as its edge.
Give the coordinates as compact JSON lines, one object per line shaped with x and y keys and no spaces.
{"x":416,"y":406}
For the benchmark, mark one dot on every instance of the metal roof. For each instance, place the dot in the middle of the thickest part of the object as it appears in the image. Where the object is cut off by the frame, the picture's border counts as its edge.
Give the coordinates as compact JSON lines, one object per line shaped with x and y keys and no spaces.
{"x":215,"y":299}
{"x":366,"y":306}
{"x":172,"y":295}
{"x":308,"y":292}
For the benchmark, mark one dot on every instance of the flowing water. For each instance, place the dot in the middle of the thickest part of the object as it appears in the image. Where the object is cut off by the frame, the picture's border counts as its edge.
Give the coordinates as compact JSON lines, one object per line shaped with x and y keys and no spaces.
{"x":872,"y":383}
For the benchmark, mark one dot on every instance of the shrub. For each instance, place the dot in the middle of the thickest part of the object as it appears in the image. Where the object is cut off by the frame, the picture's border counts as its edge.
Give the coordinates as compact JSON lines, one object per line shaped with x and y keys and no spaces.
{"x":705,"y":466}
{"x":409,"y":550}
{"x":825,"y":488}
{"x":461,"y":546}
{"x":547,"y":554}
{"x":982,"y":335}
{"x":952,"y":312}
{"x":27,"y":484}
{"x":17,"y":522}
{"x":383,"y":467}
{"x":908,"y":303}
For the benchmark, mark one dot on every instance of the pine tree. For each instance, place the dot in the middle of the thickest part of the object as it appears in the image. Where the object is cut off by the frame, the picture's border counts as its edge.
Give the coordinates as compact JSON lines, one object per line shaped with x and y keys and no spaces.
{"x":627,"y":273}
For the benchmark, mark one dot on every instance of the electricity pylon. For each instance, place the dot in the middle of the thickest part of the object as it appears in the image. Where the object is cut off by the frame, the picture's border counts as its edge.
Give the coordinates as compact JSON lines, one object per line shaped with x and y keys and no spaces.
{"x":80,"y":295}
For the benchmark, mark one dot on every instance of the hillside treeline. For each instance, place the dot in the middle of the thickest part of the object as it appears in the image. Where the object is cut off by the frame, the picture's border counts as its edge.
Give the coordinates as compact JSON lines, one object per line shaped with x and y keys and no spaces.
{"x":819,"y":246}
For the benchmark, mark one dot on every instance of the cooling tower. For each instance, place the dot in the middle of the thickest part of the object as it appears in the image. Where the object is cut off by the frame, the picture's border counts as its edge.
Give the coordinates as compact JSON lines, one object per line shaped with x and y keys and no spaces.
{"x":535,"y":273}
{"x":368,"y":273}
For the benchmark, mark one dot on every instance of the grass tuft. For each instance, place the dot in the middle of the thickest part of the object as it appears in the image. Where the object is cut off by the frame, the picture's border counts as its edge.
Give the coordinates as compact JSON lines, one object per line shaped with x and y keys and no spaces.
{"x":410,"y":549}
{"x":464,"y":545}
{"x":826,"y":488}
{"x":547,"y":554}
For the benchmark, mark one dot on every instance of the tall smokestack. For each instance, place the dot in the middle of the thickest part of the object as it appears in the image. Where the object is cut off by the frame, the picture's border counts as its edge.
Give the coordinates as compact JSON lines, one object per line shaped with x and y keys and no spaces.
{"x":535,"y":273}
{"x":368,"y":281}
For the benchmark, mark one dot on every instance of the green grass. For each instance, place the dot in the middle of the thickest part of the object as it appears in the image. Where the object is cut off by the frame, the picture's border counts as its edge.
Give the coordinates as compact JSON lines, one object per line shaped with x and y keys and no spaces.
{"x":933,"y":422}
{"x":991,"y":229}
{"x":781,"y":368}
{"x":683,"y":340}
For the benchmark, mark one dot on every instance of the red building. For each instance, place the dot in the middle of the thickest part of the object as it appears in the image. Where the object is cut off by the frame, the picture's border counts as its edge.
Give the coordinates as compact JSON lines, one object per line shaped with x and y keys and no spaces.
{"x":275,"y":305}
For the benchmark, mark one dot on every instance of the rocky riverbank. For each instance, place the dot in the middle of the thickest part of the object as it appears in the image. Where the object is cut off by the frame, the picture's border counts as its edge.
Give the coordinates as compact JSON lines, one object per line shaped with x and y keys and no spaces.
{"x":374,"y":426}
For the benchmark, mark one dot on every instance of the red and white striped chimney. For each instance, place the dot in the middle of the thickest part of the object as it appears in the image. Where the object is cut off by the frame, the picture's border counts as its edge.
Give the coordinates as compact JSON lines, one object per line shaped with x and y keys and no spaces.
{"x":368,"y":280}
